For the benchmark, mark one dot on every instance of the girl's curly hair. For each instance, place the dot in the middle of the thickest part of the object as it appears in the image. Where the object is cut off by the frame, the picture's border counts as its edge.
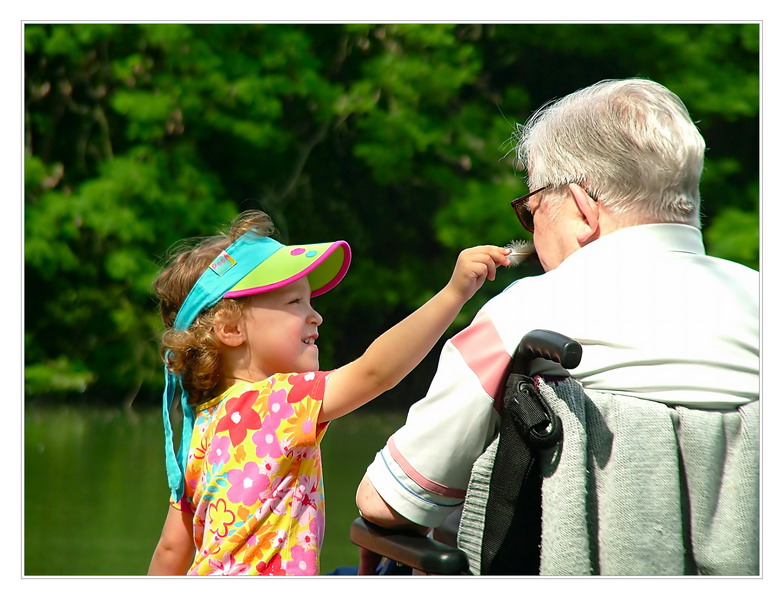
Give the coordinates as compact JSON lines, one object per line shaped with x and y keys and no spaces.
{"x":195,"y":353}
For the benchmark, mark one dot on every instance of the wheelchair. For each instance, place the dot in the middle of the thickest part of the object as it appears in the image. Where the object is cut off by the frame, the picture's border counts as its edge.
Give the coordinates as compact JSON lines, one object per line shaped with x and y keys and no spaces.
{"x":579,"y":483}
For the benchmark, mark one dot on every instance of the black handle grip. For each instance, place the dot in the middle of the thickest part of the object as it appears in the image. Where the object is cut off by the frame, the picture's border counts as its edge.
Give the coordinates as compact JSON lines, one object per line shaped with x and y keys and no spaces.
{"x":542,"y":343}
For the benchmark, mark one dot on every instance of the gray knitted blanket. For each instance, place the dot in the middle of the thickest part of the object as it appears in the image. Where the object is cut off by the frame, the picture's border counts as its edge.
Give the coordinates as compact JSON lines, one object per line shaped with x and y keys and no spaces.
{"x":639,"y":488}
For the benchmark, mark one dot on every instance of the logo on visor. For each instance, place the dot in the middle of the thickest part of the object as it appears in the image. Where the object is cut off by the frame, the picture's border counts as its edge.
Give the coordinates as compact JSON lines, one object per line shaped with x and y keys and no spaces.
{"x":222,"y":263}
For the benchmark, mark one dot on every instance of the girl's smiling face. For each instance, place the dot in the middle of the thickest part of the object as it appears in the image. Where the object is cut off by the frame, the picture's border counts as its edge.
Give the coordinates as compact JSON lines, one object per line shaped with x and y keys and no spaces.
{"x":281,"y":328}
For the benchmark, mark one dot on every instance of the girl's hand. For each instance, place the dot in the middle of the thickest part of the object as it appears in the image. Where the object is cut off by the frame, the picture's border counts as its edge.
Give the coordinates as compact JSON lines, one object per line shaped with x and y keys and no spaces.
{"x":474,"y":266}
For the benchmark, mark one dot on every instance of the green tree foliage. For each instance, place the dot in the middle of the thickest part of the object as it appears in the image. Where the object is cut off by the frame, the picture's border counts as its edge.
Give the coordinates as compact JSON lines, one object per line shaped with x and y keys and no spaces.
{"x":394,"y":137}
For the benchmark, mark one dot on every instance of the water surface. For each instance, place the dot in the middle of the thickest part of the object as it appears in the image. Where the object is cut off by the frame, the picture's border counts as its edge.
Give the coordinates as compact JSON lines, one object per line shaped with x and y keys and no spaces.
{"x":95,"y":492}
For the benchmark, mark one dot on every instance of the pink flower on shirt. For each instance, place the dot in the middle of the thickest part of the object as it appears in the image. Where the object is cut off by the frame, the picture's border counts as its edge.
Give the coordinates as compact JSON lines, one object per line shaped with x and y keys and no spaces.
{"x":266,"y":440}
{"x":247,"y":484}
{"x":306,"y":538}
{"x":281,"y":538}
{"x":303,"y":563}
{"x":278,"y":407}
{"x":305,"y":498}
{"x":274,"y":499}
{"x":269,"y":466}
{"x":228,"y":566}
{"x":317,"y":525}
{"x":218,"y":453}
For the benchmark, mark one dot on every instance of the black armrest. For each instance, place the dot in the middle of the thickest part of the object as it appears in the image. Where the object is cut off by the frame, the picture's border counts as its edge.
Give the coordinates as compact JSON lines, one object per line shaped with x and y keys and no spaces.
{"x":409,"y":548}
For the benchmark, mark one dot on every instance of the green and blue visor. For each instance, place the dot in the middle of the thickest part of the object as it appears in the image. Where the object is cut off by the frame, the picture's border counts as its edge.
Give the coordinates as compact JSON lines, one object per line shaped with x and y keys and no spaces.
{"x":251,"y":265}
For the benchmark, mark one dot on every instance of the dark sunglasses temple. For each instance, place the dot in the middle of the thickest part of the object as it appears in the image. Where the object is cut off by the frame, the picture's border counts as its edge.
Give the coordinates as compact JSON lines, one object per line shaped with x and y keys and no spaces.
{"x":524,"y":216}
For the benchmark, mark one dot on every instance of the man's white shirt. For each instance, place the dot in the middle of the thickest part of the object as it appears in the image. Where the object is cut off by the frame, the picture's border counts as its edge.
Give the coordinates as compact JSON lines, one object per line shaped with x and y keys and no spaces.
{"x":656,"y":317}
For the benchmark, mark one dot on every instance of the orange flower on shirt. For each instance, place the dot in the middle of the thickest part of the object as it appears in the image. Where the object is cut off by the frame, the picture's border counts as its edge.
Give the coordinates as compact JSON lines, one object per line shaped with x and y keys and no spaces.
{"x":242,"y":512}
{"x":265,"y":538}
{"x":300,"y":430}
{"x":240,"y":454}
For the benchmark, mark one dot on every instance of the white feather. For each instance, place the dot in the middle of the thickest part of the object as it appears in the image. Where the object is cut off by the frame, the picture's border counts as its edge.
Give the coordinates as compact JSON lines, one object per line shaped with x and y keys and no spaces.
{"x":521,"y":250}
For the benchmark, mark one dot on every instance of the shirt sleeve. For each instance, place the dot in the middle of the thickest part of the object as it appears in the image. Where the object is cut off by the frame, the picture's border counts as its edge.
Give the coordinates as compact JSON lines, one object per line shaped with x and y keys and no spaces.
{"x":308,"y":388}
{"x":424,"y":469}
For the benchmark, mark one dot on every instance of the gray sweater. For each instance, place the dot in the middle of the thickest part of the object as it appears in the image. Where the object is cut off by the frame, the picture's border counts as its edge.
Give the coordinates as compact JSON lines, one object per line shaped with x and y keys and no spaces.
{"x":639,"y":488}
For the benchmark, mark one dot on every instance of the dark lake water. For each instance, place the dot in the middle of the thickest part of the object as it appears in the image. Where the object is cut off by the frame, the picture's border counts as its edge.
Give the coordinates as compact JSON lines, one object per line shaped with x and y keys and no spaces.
{"x":95,"y":492}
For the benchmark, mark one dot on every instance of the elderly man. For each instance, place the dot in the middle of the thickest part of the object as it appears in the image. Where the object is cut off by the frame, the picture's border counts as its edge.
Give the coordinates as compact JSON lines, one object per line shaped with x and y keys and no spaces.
{"x":614,"y":171}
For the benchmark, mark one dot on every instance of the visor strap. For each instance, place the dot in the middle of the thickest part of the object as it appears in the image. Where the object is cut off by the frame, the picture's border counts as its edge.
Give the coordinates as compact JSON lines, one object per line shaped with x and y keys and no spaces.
{"x":176,"y":461}
{"x":173,"y":473}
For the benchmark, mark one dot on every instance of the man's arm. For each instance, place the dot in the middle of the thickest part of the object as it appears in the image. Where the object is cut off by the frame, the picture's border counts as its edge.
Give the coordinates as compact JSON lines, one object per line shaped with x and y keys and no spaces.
{"x":375,"y":509}
{"x":422,"y":473}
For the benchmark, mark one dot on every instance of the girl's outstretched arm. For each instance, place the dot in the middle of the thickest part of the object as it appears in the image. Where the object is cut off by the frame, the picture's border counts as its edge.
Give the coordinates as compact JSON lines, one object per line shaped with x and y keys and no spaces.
{"x":174,"y":552}
{"x":395,"y":353}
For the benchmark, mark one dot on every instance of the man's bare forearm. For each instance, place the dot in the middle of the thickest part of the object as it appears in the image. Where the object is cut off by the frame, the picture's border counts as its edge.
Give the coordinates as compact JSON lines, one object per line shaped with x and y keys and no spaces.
{"x":375,"y":509}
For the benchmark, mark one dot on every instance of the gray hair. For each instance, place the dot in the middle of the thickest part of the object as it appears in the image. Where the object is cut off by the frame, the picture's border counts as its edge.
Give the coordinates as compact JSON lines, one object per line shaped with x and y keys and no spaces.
{"x":630,"y":143}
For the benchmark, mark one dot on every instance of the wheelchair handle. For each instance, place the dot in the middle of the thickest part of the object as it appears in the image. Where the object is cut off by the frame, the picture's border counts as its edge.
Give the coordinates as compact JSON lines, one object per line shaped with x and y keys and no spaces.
{"x":542,"y":343}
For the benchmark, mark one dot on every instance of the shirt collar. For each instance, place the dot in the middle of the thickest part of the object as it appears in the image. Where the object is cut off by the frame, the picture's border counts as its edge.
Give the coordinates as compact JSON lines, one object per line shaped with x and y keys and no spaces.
{"x":642,"y":239}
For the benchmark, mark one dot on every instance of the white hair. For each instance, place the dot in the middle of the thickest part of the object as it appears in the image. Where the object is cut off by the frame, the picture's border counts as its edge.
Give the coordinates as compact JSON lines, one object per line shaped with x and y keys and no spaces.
{"x":630,"y":143}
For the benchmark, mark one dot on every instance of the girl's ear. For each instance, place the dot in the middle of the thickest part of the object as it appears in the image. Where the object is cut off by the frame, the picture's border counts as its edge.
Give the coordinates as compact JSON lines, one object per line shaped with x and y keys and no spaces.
{"x":229,"y":331}
{"x":589,"y":213}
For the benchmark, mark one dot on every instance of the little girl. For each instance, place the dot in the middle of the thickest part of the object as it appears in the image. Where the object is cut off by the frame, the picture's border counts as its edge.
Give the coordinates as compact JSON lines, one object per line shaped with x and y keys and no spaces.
{"x":240,"y":347}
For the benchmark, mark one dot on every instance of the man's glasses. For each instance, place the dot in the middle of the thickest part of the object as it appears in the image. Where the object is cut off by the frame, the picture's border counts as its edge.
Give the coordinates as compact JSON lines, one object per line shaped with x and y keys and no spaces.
{"x":520,"y":208}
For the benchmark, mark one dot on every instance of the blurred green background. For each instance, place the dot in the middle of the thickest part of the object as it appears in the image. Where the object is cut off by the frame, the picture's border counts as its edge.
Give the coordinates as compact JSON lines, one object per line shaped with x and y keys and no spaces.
{"x":394,"y":137}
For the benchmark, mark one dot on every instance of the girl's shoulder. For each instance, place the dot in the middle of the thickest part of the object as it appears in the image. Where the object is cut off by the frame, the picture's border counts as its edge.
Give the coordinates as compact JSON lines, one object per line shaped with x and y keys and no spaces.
{"x":296,"y":386}
{"x":299,"y":385}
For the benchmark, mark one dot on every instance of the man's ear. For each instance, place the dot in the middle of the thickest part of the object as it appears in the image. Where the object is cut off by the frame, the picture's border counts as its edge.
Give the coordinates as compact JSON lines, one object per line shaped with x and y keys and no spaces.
{"x":589,"y":213}
{"x":229,"y":331}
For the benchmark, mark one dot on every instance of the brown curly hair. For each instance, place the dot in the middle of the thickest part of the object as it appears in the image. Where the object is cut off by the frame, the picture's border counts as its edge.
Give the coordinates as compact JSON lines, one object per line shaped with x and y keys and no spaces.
{"x":195,"y":353}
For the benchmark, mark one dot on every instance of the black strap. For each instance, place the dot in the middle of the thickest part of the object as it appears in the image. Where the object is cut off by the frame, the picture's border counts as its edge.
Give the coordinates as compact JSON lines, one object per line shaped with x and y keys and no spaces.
{"x":512,"y":526}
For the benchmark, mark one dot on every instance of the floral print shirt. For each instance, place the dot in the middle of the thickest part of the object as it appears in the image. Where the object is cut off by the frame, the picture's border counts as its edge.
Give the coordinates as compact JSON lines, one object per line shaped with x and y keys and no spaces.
{"x":253,"y":479}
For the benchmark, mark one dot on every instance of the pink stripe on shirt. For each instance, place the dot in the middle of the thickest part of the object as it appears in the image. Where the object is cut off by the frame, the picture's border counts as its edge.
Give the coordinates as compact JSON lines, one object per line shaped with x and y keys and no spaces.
{"x":419,"y":479}
{"x":484,"y":353}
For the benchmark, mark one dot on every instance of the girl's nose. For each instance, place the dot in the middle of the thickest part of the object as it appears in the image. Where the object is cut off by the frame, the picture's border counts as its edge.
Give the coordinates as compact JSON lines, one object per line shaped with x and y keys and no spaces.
{"x":316,"y":318}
